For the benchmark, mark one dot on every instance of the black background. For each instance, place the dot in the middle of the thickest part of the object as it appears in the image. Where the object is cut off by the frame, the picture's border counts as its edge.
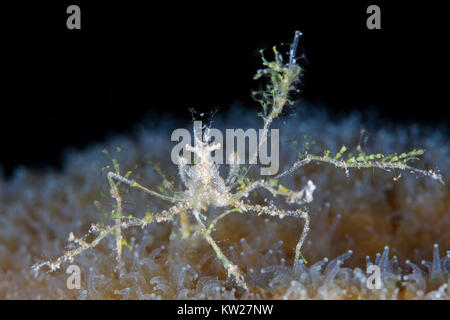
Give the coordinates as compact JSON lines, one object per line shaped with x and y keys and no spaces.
{"x":282,"y":309}
{"x":66,"y":88}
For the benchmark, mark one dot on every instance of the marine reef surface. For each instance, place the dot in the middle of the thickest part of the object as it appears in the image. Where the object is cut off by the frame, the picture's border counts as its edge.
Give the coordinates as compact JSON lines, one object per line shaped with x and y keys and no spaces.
{"x":367,"y":218}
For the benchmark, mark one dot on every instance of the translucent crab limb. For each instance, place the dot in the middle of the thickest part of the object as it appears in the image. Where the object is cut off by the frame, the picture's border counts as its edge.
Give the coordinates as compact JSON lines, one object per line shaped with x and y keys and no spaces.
{"x":293,"y":50}
{"x":132,"y":183}
{"x":231,"y":268}
{"x":168,"y":185}
{"x":360,"y":165}
{"x":69,"y":255}
{"x":294,"y":167}
{"x":299,"y":197}
{"x":273,"y":211}
{"x":221,"y":216}
{"x":163,"y":216}
{"x":300,"y":242}
{"x":117,"y":214}
{"x":283,"y":79}
{"x":233,"y":159}
{"x":253,"y":186}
